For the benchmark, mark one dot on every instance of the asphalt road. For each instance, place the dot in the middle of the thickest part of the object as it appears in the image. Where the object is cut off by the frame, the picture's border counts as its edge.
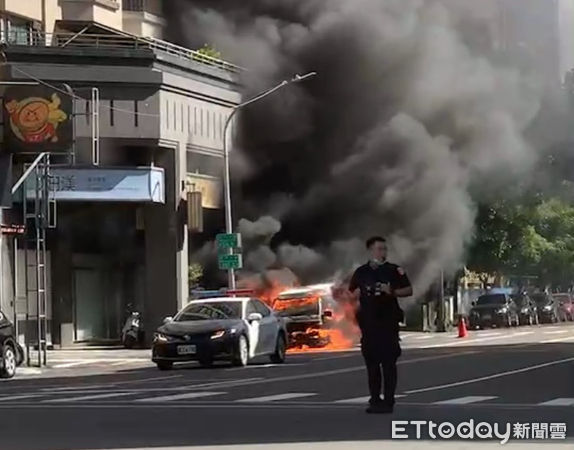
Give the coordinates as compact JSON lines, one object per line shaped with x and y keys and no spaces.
{"x":313,"y":398}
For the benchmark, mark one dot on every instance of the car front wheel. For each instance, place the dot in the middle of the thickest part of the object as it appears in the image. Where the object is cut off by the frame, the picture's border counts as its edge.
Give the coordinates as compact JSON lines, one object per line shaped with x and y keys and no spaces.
{"x":8,"y":369}
{"x":241,"y":357}
{"x":280,"y":349}
{"x":164,"y":365}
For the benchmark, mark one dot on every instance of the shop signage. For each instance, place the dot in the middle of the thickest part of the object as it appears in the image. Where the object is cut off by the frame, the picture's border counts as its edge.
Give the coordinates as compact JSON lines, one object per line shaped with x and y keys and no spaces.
{"x":37,"y":119}
{"x":144,"y":184}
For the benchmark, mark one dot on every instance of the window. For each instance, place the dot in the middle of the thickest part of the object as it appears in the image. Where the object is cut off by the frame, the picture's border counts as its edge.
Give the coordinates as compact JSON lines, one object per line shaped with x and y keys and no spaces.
{"x":136,"y":114}
{"x":262,"y":308}
{"x":16,"y":31}
{"x":167,"y":114}
{"x":112,"y":116}
{"x":250,"y":308}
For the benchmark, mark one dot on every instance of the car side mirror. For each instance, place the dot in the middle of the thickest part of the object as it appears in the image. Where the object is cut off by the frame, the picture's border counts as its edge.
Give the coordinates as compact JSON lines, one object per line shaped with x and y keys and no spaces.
{"x":1,"y":317}
{"x":328,"y":314}
{"x":473,"y":303}
{"x":167,"y":320}
{"x":254,"y":317}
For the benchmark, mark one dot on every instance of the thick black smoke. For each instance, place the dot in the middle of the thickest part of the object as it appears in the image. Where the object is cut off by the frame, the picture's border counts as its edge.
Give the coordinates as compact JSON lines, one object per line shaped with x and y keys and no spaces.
{"x":407,"y":113}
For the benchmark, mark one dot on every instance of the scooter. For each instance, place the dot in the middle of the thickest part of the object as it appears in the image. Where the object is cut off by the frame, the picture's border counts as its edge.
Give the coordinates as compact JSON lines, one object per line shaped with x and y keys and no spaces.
{"x":132,"y":332}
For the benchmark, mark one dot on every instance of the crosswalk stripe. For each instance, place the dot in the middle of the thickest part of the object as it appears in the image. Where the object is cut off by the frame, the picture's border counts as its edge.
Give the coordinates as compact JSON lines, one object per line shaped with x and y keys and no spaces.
{"x":465,"y":400}
{"x":559,"y":402}
{"x":273,"y":398}
{"x":15,"y":397}
{"x":87,"y":397}
{"x":189,"y":395}
{"x":557,"y":332}
{"x":562,"y":339}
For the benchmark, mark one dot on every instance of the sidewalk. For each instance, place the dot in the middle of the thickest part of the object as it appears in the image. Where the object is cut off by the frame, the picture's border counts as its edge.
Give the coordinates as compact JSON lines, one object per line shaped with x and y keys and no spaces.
{"x":375,"y":445}
{"x":70,"y":362}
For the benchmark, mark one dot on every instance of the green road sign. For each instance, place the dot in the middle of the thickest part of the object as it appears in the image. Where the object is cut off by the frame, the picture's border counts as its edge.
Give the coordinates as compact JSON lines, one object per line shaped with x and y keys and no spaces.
{"x":227,"y":262}
{"x":228,"y":240}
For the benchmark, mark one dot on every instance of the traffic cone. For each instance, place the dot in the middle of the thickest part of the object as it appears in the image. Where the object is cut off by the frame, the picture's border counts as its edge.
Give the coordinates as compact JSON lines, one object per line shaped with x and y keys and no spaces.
{"x":462,"y":331}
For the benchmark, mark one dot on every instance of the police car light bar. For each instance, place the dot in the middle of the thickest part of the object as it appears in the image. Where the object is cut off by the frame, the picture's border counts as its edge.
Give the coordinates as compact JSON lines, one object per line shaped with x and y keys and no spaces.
{"x":200,"y":294}
{"x":238,"y":292}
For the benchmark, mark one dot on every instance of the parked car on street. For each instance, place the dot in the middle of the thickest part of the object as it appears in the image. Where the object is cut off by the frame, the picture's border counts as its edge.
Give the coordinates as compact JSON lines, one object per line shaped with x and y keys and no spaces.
{"x":547,"y":307}
{"x":11,"y":353}
{"x":565,"y":306}
{"x":527,"y":309}
{"x":229,"y":328}
{"x":497,"y":310}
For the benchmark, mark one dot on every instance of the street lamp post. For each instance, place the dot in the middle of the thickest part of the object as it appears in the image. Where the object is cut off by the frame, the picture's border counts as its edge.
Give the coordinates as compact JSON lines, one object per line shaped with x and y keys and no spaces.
{"x":226,"y":174}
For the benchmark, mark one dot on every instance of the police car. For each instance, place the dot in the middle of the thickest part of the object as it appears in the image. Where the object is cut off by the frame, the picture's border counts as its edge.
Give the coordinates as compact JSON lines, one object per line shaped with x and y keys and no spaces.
{"x":230,"y":327}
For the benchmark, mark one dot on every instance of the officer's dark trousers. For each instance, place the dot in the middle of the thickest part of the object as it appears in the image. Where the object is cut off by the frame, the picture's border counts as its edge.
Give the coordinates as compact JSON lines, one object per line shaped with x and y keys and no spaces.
{"x":389,"y":375}
{"x":381,"y":349}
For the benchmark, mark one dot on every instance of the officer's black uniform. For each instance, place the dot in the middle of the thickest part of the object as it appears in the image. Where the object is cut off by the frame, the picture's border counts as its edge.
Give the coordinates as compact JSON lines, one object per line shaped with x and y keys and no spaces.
{"x":378,"y":317}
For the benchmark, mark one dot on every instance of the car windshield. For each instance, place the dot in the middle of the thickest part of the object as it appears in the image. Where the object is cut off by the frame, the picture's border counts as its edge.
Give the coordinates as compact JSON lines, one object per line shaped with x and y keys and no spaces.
{"x":562,"y":298}
{"x":209,"y":311}
{"x":495,"y":299}
{"x":519,"y":299}
{"x":540,"y":299}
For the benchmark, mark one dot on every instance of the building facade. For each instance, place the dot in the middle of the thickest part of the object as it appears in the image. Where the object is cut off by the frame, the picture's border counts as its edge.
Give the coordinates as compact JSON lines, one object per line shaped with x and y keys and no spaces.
{"x":147,"y":122}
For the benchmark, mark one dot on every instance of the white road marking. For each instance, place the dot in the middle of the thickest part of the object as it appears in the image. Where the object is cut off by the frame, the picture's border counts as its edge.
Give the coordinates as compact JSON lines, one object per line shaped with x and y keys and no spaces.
{"x":16,"y":397}
{"x":428,"y":336}
{"x":490,"y":377}
{"x":359,"y":400}
{"x":465,"y":400}
{"x":559,"y":402}
{"x":186,"y":396}
{"x":522,"y":333}
{"x":87,"y":397}
{"x":557,"y":332}
{"x":494,"y":333}
{"x":273,"y":398}
{"x":564,"y":339}
{"x":73,"y":364}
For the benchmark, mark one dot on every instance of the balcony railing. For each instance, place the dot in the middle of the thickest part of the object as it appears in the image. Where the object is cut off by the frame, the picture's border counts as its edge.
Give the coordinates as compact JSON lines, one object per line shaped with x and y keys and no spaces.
{"x":133,"y":5}
{"x":112,"y":41}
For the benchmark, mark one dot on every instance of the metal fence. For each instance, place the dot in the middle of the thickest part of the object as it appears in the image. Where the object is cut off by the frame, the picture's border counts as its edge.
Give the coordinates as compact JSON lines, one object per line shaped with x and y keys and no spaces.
{"x":112,"y":41}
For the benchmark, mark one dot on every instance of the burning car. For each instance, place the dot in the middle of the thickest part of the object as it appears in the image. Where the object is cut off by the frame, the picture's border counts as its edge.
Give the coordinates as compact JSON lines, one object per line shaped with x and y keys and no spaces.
{"x":308,"y":311}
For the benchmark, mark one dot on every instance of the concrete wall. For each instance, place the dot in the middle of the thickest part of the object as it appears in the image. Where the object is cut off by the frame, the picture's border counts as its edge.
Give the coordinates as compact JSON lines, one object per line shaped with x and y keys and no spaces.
{"x":31,"y":9}
{"x":143,"y":24}
{"x":106,"y":12}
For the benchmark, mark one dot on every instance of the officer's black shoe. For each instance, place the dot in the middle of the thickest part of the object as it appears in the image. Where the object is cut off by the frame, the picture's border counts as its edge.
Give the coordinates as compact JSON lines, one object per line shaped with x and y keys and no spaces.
{"x":380,"y":408}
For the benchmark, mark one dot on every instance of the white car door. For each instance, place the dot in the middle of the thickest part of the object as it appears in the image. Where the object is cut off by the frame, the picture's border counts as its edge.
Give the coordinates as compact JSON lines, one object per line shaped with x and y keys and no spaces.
{"x":268,"y":329}
{"x":254,"y":329}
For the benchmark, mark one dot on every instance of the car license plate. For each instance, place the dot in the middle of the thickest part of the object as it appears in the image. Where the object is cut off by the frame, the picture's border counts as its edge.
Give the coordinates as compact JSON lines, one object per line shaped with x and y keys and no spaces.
{"x":487,"y":317}
{"x":186,"y":349}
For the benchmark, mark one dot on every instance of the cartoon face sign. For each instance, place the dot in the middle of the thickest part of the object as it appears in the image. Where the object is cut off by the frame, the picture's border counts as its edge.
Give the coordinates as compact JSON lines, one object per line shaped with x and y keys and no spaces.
{"x":35,"y":120}
{"x":32,"y":116}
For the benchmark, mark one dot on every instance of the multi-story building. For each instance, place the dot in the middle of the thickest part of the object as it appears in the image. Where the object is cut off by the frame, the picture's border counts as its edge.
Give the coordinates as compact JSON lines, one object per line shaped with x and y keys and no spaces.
{"x":528,"y":35}
{"x":141,"y":125}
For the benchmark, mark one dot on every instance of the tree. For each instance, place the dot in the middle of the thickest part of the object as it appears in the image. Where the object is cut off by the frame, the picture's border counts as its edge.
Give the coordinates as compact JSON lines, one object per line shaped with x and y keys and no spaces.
{"x":533,"y":236}
{"x":195,"y":273}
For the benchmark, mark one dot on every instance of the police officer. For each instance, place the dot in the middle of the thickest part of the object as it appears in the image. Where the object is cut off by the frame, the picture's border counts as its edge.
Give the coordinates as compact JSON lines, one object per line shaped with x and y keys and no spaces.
{"x":379,"y":284}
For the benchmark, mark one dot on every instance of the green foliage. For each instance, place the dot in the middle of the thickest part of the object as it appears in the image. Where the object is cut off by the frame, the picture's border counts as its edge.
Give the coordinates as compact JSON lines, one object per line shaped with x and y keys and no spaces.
{"x":533,"y":236}
{"x":195,"y":273}
{"x":209,"y":52}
